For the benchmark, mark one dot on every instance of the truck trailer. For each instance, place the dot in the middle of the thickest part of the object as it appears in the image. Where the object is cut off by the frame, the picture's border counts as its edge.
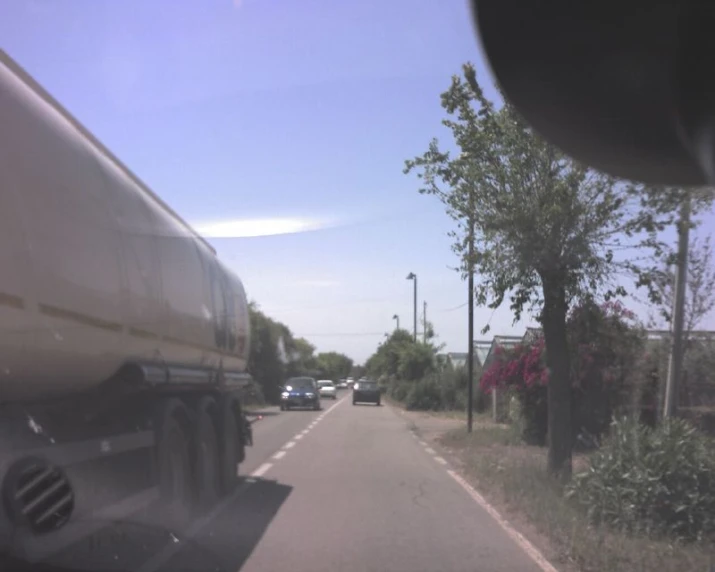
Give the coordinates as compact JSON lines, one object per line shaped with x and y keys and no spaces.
{"x":124,"y":340}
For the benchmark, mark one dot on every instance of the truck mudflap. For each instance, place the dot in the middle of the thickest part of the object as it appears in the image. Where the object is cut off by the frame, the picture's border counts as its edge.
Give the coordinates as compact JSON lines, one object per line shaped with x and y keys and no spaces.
{"x":247,"y":433}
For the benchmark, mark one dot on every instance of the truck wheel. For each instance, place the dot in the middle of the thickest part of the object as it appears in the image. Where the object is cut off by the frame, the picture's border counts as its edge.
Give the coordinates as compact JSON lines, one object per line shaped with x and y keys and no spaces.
{"x":174,"y":461}
{"x":206,"y":454}
{"x":231,"y":444}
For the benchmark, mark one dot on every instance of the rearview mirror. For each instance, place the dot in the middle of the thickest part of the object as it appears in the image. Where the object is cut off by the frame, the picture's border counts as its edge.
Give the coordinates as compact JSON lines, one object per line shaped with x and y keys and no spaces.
{"x":625,"y":87}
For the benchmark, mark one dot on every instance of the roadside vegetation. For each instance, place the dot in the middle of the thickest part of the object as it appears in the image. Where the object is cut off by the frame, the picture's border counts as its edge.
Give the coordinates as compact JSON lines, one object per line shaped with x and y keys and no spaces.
{"x":277,"y":355}
{"x":578,"y":447}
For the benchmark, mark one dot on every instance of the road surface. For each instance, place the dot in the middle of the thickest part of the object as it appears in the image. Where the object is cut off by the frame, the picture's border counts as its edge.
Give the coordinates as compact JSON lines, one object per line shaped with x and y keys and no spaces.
{"x":348,"y":488}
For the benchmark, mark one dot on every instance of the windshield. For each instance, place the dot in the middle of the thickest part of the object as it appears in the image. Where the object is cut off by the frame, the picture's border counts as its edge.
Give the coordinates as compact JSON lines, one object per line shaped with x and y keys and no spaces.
{"x":369,"y":385}
{"x":300,"y":383}
{"x":211,"y":211}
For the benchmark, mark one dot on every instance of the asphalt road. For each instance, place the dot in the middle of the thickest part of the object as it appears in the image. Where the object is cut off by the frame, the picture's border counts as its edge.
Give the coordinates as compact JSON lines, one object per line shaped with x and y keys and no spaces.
{"x":348,"y":488}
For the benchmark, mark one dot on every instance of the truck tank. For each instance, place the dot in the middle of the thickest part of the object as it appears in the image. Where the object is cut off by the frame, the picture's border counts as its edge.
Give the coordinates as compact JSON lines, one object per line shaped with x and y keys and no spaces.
{"x":97,"y":272}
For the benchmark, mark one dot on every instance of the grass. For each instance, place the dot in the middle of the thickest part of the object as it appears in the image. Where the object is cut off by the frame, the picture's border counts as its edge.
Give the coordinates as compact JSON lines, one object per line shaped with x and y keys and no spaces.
{"x":514,"y":476}
{"x":456,"y":414}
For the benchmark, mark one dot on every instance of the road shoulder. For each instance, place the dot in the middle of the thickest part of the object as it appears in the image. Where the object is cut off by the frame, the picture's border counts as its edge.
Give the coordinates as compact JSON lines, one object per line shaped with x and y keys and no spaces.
{"x":438,"y":430}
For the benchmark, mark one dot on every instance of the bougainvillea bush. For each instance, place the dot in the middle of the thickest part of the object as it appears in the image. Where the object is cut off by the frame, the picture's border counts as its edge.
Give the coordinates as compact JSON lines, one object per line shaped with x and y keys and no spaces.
{"x":605,"y":343}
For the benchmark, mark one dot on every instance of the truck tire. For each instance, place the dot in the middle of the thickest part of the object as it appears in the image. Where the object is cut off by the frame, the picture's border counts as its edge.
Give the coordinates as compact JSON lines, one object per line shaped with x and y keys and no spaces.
{"x":231,"y":443}
{"x":173,"y":456}
{"x":206,"y":457}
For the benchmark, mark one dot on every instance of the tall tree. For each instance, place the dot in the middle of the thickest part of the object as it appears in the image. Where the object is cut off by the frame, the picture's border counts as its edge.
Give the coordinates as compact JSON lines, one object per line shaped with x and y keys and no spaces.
{"x":546,"y":229}
{"x":400,"y":357}
{"x":302,"y":358}
{"x":265,"y":362}
{"x":333,"y":365}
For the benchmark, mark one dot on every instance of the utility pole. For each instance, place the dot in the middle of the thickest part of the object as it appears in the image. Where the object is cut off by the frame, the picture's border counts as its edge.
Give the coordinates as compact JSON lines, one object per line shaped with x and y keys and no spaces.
{"x":412,"y":276}
{"x":397,"y":319}
{"x":675,"y":363}
{"x":424,"y":325}
{"x":470,"y":303}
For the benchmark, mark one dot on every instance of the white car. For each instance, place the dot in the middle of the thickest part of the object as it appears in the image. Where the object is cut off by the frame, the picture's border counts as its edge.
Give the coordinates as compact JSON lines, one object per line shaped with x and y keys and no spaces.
{"x":327,"y":388}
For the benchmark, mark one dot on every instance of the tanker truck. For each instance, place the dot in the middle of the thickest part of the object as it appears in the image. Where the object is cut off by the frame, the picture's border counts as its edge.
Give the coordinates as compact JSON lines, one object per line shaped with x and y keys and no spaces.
{"x":124,"y":340}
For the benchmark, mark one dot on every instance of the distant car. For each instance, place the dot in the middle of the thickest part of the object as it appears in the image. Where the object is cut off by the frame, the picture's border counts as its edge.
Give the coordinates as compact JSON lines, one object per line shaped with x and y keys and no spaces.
{"x":342,"y":384}
{"x":300,"y":392}
{"x":366,"y":392}
{"x":326,"y":388}
{"x":350,"y":381}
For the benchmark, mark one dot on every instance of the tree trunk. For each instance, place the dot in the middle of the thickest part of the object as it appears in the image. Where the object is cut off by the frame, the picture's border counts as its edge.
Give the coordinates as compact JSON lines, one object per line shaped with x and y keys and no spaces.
{"x":553,"y":320}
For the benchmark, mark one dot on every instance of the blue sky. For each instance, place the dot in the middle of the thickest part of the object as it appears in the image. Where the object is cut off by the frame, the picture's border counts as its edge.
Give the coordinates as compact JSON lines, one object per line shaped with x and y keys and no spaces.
{"x":279,"y":109}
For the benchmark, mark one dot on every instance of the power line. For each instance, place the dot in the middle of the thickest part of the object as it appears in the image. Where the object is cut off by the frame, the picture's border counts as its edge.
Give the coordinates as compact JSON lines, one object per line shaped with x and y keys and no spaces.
{"x":455,"y":308}
{"x":338,"y":334}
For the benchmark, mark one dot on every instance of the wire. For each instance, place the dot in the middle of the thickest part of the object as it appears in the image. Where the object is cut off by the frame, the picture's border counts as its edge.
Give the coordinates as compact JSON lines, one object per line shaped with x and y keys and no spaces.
{"x":341,"y":334}
{"x":453,"y":309}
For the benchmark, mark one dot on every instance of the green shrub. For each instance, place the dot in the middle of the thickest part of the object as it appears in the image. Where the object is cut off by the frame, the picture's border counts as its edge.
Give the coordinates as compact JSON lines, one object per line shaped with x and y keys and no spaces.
{"x":398,"y":389}
{"x":656,"y":481}
{"x":424,"y":395}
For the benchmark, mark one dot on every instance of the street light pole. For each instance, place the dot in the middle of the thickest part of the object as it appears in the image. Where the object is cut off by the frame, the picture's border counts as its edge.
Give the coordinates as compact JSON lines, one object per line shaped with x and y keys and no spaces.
{"x":412,"y":276}
{"x":397,"y":319}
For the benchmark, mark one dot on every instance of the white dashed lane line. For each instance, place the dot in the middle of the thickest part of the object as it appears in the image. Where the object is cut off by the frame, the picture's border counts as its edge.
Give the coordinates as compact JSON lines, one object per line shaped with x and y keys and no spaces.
{"x":265,"y":467}
{"x":260,"y":471}
{"x":440,"y":460}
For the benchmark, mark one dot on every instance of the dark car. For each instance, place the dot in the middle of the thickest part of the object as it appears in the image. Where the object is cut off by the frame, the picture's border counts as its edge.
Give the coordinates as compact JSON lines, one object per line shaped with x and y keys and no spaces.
{"x":366,"y":392}
{"x":300,"y":392}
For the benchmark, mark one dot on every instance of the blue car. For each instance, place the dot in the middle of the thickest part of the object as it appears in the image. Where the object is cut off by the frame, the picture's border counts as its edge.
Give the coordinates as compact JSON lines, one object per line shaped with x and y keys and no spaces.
{"x":300,"y":392}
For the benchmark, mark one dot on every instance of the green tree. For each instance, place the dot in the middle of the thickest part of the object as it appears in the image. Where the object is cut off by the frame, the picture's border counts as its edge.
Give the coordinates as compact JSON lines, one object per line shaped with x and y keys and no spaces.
{"x":265,"y":362}
{"x":333,"y":365}
{"x":302,"y":357}
{"x":546,"y":229}
{"x":400,"y":357}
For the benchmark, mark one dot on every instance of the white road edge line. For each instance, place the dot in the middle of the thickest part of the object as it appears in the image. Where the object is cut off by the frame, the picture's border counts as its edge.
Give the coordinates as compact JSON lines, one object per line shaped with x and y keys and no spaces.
{"x":262,"y":470}
{"x":289,"y":444}
{"x":279,"y":455}
{"x":421,"y":442}
{"x":516,"y":536}
{"x":298,"y":437}
{"x":430,"y":450}
{"x":440,"y":460}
